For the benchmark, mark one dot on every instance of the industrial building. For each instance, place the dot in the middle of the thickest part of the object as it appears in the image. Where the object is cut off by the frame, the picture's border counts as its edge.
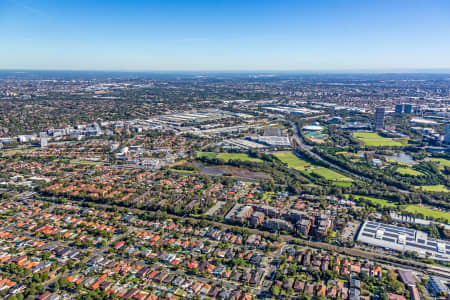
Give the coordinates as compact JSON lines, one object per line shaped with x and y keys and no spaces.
{"x":272,"y":141}
{"x":194,"y":117}
{"x":403,"y":239}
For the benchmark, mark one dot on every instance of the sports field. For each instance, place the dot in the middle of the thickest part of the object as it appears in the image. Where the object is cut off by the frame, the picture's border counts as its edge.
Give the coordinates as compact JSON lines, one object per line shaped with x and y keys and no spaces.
{"x":428,"y":212}
{"x":293,"y":161}
{"x":408,"y":171}
{"x":331,"y":175}
{"x":299,"y":164}
{"x":374,"y":139}
{"x":434,"y":188}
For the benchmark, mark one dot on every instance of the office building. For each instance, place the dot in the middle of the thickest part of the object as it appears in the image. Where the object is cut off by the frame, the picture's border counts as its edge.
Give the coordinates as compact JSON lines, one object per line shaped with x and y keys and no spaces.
{"x":407,"y":108}
{"x":399,"y":108}
{"x":379,"y":118}
{"x":447,"y":134}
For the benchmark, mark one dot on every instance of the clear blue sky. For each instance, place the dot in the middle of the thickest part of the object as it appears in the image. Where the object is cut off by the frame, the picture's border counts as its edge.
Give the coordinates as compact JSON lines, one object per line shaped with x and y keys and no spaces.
{"x":224,"y":35}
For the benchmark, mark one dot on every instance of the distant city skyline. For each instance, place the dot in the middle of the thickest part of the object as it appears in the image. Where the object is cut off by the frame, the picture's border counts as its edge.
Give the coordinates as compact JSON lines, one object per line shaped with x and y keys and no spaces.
{"x":229,"y":35}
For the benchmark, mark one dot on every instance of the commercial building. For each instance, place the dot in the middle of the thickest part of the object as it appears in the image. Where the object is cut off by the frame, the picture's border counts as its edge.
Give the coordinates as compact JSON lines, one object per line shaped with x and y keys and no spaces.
{"x":379,"y":118}
{"x":399,"y":108}
{"x":403,"y":239}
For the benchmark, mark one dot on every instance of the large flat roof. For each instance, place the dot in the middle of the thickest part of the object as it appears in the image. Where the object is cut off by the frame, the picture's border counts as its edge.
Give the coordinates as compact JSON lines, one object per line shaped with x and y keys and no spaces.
{"x":403,"y":239}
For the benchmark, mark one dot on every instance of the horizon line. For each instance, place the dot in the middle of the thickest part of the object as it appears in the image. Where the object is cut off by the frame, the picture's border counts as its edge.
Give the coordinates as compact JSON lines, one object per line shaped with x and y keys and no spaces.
{"x":322,"y":71}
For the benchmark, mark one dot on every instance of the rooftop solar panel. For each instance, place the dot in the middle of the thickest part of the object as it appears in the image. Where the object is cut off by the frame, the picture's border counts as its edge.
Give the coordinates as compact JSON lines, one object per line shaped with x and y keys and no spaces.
{"x":368,"y":235}
{"x":390,"y":234}
{"x":388,"y":240}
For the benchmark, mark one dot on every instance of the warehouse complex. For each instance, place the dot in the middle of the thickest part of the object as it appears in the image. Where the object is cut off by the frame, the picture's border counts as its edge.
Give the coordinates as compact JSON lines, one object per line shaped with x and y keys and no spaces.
{"x":403,"y":239}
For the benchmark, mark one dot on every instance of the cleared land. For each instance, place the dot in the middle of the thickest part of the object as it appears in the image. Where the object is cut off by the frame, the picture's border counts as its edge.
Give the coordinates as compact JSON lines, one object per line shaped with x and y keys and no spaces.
{"x":299,"y":164}
{"x":375,"y":201}
{"x":428,"y":212}
{"x":228,"y":156}
{"x":374,"y":139}
{"x":408,"y":171}
{"x":434,"y":188}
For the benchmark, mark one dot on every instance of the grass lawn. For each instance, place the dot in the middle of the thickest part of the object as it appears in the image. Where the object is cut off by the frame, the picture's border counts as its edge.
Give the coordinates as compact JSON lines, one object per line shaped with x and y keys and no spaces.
{"x":84,"y":162}
{"x":209,"y":155}
{"x":228,"y":156}
{"x":292,"y":161}
{"x":408,"y":171}
{"x":367,"y":135}
{"x":331,"y":175}
{"x":442,"y":162}
{"x":267,"y":196}
{"x":237,"y":156}
{"x":434,"y":188}
{"x":342,"y":152}
{"x":299,"y":164}
{"x":374,"y":139}
{"x":342,"y":183}
{"x":375,"y":201}
{"x":180,"y":293}
{"x":18,"y":151}
{"x":428,"y":212}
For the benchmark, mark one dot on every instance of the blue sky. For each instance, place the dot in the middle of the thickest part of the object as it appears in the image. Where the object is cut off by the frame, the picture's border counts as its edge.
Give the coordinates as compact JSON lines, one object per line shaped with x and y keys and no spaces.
{"x":225,"y":35}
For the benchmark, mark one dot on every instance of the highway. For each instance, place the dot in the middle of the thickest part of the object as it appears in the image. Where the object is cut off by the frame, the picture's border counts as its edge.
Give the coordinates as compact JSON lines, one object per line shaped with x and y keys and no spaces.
{"x":297,"y":139}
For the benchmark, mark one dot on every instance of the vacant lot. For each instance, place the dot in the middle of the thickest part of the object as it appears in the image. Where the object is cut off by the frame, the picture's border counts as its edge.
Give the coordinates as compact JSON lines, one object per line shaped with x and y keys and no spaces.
{"x":428,"y":212}
{"x":408,"y":171}
{"x":374,"y":139}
